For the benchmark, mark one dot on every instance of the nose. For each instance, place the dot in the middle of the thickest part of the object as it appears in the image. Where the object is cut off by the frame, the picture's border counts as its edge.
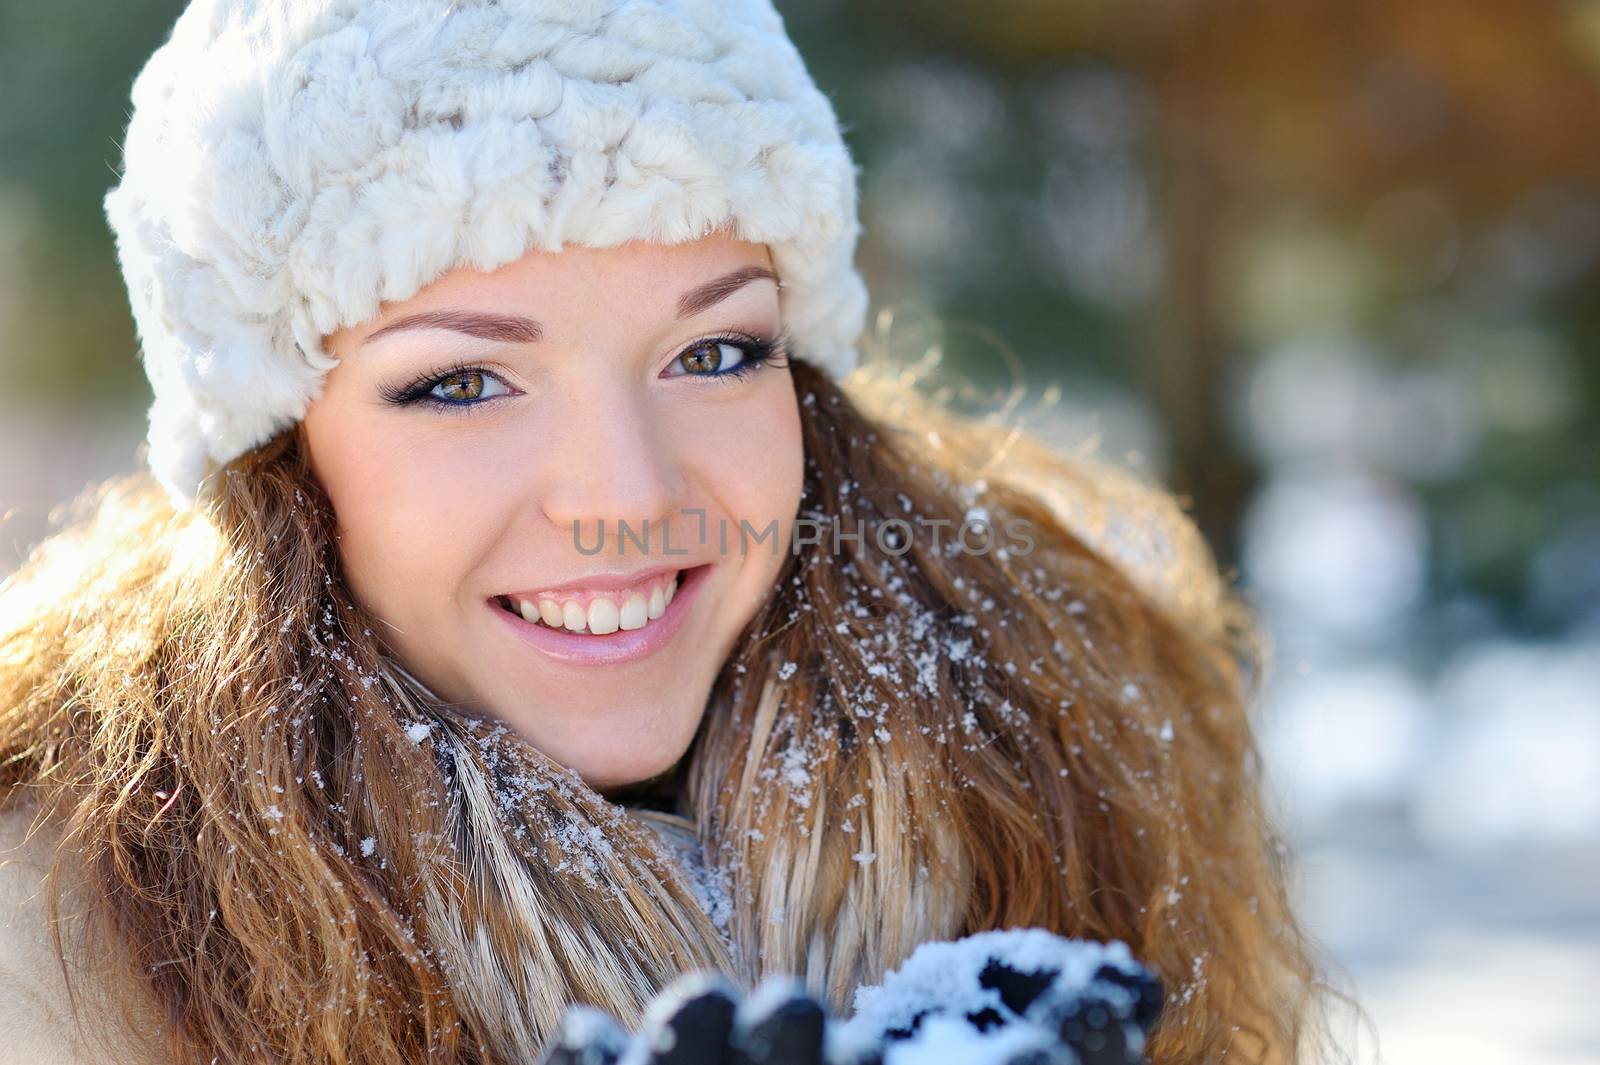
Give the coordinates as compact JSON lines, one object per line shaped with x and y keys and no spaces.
{"x":610,"y":463}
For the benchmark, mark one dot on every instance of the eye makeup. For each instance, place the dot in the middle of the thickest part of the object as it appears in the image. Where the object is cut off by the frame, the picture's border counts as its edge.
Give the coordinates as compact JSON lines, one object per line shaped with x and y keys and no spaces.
{"x":757,"y":352}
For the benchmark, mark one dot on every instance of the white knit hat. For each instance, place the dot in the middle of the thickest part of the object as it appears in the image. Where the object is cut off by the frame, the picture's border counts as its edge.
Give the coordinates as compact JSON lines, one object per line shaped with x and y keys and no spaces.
{"x":290,"y":164}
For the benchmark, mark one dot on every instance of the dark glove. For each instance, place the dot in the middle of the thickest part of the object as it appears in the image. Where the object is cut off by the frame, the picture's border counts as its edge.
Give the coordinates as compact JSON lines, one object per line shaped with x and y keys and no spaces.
{"x":1106,"y":1020}
{"x":699,"y":1020}
{"x":1032,"y":994}
{"x":1019,"y":997}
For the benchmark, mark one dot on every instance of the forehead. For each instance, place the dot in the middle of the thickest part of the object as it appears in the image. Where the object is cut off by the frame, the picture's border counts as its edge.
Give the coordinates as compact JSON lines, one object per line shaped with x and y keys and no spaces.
{"x":655,"y":276}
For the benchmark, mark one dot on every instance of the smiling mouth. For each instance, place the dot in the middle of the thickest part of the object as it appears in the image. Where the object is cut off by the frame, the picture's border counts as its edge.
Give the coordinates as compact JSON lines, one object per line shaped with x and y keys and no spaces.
{"x":598,"y":613}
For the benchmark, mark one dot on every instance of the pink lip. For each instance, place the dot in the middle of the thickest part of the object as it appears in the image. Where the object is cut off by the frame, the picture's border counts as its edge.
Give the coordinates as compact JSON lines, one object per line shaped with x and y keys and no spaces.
{"x":624,"y":645}
{"x":602,"y":585}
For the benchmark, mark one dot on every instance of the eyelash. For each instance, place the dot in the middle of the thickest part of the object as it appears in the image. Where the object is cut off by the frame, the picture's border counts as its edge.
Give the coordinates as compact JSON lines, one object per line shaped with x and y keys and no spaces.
{"x":758,"y":352}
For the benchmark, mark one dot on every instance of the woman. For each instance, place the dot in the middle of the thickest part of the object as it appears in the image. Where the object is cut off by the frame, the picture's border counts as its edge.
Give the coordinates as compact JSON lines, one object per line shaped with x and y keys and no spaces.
{"x":356,"y":731}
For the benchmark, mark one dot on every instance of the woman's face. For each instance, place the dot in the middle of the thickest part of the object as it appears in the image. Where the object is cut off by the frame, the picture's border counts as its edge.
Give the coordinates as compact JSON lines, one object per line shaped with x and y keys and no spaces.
{"x":534,"y":470}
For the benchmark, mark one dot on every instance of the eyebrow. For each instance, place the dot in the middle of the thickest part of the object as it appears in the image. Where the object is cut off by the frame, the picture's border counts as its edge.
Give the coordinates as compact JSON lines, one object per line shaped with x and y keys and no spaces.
{"x":515,"y":329}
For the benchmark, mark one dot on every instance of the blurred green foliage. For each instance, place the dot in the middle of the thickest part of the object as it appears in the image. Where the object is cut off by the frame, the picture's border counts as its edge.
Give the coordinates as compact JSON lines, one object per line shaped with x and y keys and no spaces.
{"x":66,"y":69}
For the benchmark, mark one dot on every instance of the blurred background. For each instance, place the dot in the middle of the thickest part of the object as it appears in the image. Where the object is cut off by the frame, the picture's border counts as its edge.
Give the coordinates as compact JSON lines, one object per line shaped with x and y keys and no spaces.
{"x":1326,"y":268}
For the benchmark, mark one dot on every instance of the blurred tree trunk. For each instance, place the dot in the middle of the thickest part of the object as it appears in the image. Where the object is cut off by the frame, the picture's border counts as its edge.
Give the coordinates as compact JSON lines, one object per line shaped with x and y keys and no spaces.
{"x":1188,"y":353}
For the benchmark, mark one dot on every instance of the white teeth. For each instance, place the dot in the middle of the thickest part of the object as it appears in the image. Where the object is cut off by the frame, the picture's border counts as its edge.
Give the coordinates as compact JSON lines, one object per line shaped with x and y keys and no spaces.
{"x":634,"y":614}
{"x":550,"y":613}
{"x":602,"y":616}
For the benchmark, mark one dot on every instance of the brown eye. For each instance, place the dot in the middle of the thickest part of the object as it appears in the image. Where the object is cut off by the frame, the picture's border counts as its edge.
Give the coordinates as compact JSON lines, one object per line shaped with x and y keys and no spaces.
{"x":453,"y":388}
{"x":467,"y":385}
{"x":707,"y":358}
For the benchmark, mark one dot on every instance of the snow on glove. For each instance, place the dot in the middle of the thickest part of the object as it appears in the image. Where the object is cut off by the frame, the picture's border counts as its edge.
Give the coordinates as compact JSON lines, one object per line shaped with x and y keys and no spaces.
{"x":699,"y":1020}
{"x":1020,"y":995}
{"x":1016,"y":997}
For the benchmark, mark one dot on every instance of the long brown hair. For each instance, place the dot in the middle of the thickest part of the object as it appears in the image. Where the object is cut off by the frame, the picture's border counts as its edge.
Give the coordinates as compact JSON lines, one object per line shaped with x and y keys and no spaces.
{"x":309,"y":859}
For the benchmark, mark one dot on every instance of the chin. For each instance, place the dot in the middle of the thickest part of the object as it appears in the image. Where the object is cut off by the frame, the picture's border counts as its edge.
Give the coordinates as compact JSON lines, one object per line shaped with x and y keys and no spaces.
{"x":612,"y":751}
{"x":613,"y":776}
{"x":615,"y":758}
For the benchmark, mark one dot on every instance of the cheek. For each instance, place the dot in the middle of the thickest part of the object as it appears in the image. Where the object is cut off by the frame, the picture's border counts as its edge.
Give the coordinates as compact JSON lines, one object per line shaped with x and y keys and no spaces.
{"x":402,"y":519}
{"x":749,"y":457}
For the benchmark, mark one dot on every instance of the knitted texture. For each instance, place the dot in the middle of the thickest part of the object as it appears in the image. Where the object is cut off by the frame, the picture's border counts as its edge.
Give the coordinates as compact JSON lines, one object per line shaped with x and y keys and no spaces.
{"x":291,"y":164}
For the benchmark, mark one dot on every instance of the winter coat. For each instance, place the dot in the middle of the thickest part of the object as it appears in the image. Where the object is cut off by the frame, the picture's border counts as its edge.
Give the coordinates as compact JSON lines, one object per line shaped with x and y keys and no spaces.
{"x":38,"y":1023}
{"x":948,"y":985}
{"x":115,"y":1022}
